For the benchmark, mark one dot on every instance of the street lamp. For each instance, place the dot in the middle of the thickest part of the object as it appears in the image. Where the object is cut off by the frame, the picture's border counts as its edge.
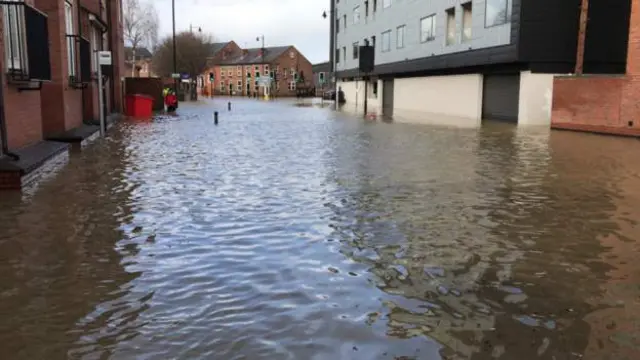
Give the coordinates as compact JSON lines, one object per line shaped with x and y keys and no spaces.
{"x":332,"y":54}
{"x":191,"y":28}
{"x":258,"y":38}
{"x":175,"y":56}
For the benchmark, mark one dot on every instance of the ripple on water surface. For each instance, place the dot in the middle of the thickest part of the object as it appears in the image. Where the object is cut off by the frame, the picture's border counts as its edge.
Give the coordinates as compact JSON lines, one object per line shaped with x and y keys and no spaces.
{"x":292,"y":232}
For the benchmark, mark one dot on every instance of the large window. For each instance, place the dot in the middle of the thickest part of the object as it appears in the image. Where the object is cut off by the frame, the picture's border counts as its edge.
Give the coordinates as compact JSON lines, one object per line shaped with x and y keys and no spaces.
{"x":400,"y":37}
{"x":344,"y":53}
{"x":15,"y":42}
{"x":451,"y":26}
{"x":428,"y":28}
{"x":386,"y":3}
{"x":467,"y":21}
{"x":356,"y":14}
{"x":356,"y":48}
{"x":386,"y":41}
{"x":496,"y":12}
{"x":71,"y":41}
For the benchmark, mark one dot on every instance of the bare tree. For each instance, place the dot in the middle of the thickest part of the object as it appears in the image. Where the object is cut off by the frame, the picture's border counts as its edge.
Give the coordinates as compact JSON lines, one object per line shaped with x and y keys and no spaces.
{"x":140,"y":26}
{"x":192,"y":51}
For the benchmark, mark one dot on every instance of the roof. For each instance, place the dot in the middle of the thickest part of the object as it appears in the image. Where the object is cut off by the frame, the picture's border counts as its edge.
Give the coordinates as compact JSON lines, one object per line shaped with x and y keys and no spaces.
{"x":215,"y":47}
{"x":253,"y":56}
{"x":141,"y":53}
{"x":322,"y":67}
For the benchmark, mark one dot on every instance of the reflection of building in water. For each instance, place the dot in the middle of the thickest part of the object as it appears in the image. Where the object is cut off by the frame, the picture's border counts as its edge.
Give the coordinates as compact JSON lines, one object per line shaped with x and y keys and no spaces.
{"x":613,"y":324}
{"x":490,"y":249}
{"x":58,"y":256}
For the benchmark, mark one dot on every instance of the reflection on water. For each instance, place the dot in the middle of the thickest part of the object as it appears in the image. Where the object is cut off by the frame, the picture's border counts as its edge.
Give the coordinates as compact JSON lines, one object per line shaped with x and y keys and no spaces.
{"x":291,"y":232}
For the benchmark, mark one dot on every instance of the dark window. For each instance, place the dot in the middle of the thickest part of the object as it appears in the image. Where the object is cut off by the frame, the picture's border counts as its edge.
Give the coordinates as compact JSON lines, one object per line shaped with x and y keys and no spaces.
{"x":373,"y":41}
{"x":337,"y":25}
{"x":355,"y":50}
{"x":337,"y":56}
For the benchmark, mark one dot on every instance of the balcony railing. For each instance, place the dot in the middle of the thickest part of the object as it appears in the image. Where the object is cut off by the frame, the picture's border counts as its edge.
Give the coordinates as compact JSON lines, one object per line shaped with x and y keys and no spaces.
{"x":26,"y":42}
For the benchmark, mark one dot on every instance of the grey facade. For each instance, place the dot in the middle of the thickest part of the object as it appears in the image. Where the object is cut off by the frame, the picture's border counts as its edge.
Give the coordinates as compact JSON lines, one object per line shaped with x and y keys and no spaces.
{"x":322,"y":76}
{"x":409,"y":14}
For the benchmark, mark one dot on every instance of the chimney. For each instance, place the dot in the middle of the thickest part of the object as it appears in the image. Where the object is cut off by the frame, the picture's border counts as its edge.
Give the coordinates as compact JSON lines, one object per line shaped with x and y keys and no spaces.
{"x":245,"y":52}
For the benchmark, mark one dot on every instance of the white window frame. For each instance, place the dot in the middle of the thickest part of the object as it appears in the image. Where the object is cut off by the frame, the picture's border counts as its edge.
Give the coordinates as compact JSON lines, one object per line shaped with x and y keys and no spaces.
{"x":386,"y":41}
{"x":71,"y":41}
{"x":400,"y":32}
{"x":429,"y":35}
{"x":292,"y":85}
{"x":16,"y":38}
{"x":356,"y":14}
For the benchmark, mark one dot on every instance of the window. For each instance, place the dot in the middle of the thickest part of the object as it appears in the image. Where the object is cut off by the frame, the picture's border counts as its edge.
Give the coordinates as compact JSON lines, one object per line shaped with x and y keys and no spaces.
{"x":337,"y":25}
{"x":467,"y":21}
{"x":496,"y":12}
{"x":293,"y":71}
{"x":344,"y":21}
{"x":266,"y":68}
{"x":428,"y":28}
{"x":355,"y":50}
{"x":344,"y":53}
{"x":321,"y":77}
{"x":239,"y":72}
{"x":292,"y":85}
{"x":239,"y":68}
{"x":257,"y":74}
{"x":366,"y":9}
{"x":356,"y":14}
{"x":375,"y":5}
{"x":400,"y":37}
{"x":239,"y":84}
{"x":337,"y":56}
{"x":451,"y":26}
{"x":71,"y":41}
{"x":386,"y":41}
{"x":386,"y":3}
{"x":256,"y":68}
{"x":248,"y":75}
{"x":373,"y":41}
{"x":14,"y":34}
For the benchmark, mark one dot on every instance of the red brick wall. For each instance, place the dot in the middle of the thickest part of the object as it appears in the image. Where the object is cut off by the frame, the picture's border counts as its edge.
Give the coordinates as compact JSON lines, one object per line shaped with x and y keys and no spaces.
{"x":286,"y":62}
{"x":606,"y":104}
{"x":22,"y":109}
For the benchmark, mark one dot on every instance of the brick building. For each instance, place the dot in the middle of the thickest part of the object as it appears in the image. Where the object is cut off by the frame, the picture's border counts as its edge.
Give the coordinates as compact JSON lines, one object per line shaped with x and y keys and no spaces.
{"x":49,"y":86}
{"x":140,"y":65}
{"x":604,"y":103}
{"x":236,"y":71}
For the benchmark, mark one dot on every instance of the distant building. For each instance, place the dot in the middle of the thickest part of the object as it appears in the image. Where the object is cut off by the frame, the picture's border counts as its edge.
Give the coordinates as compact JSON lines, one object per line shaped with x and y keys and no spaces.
{"x":140,"y":64}
{"x":322,"y":77}
{"x":236,"y":71}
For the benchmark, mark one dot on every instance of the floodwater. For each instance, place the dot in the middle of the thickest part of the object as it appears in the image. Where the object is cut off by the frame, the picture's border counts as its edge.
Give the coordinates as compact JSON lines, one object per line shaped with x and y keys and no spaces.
{"x":291,"y":232}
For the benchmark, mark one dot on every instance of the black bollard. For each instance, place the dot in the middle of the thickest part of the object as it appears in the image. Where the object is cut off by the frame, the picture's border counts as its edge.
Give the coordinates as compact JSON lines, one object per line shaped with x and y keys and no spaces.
{"x":229,"y":105}
{"x":215,"y":118}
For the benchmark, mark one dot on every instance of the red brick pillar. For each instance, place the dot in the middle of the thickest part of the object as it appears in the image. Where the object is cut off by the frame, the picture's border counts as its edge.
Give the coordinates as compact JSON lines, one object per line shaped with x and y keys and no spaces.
{"x":629,"y":105}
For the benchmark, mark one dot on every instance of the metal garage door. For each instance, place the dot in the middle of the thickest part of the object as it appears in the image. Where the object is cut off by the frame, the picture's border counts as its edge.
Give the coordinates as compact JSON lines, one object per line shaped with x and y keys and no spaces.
{"x":387,"y":98}
{"x":500,"y":97}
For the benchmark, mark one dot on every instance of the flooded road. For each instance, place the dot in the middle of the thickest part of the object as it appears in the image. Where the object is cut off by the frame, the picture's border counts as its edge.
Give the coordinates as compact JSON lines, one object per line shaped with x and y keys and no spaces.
{"x":293,"y":232}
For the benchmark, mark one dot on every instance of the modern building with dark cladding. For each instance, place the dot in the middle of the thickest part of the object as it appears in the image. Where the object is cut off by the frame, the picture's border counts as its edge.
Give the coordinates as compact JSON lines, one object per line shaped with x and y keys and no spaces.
{"x":462,"y":61}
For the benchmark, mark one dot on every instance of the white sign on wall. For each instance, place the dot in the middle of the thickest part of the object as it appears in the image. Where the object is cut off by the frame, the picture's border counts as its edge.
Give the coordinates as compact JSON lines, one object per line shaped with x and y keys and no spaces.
{"x":104,"y":57}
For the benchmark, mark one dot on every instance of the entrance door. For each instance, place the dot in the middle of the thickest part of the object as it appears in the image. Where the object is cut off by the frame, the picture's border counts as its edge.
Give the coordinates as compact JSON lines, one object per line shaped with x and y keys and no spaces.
{"x":501,"y":94}
{"x":387,"y":98}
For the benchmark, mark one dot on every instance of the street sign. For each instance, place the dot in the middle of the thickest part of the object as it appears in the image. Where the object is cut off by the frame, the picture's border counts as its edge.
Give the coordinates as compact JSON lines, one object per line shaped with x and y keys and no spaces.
{"x":175,"y":76}
{"x":104,"y":57}
{"x":185,"y":77}
{"x":264,"y":80}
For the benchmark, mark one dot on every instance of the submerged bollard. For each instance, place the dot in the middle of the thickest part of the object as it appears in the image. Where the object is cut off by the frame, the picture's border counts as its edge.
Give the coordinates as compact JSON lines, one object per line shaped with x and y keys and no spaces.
{"x":215,"y":118}
{"x":229,"y":105}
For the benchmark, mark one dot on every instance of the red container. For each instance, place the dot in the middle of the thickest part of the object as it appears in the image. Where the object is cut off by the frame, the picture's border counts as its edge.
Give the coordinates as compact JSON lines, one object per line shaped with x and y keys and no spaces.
{"x":139,"y":106}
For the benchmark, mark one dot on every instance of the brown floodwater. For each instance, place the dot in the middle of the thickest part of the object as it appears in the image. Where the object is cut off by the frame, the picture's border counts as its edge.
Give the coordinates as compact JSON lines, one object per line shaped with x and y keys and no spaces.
{"x":291,"y":232}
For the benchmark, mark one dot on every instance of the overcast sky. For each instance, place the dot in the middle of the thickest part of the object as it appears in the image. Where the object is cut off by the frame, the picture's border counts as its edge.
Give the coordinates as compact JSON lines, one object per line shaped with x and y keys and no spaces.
{"x":283,"y":22}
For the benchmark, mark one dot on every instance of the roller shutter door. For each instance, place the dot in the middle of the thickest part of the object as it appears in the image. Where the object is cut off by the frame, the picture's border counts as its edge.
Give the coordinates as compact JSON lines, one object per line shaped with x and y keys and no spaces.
{"x":500,"y":97}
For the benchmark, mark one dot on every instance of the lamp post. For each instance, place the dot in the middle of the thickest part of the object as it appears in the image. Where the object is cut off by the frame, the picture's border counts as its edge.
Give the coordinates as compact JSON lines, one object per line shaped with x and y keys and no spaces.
{"x":191,"y":28}
{"x":175,"y":56}
{"x":266,"y":92}
{"x":332,"y":55}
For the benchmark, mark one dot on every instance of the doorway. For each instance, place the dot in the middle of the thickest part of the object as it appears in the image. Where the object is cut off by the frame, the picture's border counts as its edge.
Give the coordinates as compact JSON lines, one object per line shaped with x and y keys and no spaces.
{"x":500,"y":97}
{"x":387,"y":98}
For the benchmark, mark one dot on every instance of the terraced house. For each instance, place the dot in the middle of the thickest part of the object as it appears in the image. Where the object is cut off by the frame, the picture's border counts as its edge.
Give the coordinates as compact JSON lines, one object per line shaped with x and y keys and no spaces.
{"x":461,"y":61}
{"x":49,"y":93}
{"x":236,"y":71}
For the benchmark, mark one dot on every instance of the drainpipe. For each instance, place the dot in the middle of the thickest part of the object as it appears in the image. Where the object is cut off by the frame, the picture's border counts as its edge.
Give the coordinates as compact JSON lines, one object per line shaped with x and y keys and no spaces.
{"x":82,"y":107}
{"x":3,"y":126}
{"x":582,"y":34}
{"x":112,"y":87}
